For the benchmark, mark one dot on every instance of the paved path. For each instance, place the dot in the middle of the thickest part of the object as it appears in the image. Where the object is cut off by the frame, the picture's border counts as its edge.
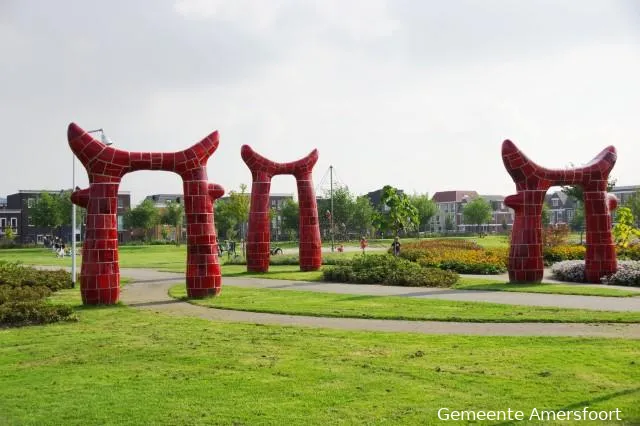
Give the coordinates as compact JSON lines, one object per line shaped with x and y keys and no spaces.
{"x":150,"y":291}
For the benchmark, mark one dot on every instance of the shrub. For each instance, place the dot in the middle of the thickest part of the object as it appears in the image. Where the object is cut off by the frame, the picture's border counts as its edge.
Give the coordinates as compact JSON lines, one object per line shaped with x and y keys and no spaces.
{"x":569,"y":270}
{"x":462,"y":256}
{"x":629,"y":253}
{"x":628,"y":274}
{"x":389,"y":270}
{"x":553,"y":236}
{"x":573,"y":270}
{"x":23,"y":293}
{"x":559,"y":253}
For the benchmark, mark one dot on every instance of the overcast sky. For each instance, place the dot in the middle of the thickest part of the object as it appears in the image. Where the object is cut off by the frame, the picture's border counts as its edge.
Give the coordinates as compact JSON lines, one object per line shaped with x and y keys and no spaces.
{"x":416,"y":94}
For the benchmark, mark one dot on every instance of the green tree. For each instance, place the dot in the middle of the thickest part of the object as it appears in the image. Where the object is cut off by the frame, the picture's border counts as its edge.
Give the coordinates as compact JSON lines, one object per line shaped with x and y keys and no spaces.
{"x":633,"y":203}
{"x":144,"y":216}
{"x":623,"y":231}
{"x":47,"y":212}
{"x":398,"y":213}
{"x":9,"y":235}
{"x":173,"y":215}
{"x":546,"y":214}
{"x":238,"y":206}
{"x":290,"y":214}
{"x":477,"y":212}
{"x":224,"y":222}
{"x":363,"y":215}
{"x":426,"y":207}
{"x":449,"y":224}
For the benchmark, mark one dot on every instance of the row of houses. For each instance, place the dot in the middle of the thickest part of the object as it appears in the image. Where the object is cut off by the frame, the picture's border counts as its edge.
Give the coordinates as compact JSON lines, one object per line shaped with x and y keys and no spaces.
{"x":16,"y":212}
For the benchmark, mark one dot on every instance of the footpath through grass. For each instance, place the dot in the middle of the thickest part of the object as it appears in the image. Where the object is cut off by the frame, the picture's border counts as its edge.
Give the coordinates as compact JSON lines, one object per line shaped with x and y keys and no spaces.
{"x":118,"y":365}
{"x":293,"y":302}
{"x":172,"y":258}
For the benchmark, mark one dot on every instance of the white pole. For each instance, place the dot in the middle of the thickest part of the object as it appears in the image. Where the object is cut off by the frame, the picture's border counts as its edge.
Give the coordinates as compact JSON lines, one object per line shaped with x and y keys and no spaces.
{"x":73,"y":224}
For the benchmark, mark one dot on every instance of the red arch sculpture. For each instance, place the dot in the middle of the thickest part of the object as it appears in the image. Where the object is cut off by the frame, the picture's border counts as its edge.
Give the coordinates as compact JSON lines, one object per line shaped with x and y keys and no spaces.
{"x":259,"y":234}
{"x":532,"y":182}
{"x":100,"y":273}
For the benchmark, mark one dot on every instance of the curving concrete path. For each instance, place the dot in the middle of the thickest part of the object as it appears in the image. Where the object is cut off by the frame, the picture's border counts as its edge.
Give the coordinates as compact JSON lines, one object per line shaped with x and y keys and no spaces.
{"x":150,"y":291}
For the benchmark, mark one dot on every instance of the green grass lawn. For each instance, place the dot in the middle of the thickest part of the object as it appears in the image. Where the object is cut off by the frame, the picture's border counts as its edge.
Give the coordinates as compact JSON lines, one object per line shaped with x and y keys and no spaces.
{"x":466,"y":283}
{"x":293,"y":302}
{"x":118,"y":365}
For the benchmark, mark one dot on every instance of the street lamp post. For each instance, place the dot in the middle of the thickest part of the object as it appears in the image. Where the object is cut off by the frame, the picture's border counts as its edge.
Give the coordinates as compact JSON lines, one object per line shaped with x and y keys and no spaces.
{"x":105,"y":140}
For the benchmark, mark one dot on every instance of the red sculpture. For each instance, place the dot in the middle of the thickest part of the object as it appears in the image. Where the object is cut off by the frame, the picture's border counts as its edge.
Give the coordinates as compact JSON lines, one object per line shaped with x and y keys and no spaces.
{"x":259,"y":235}
{"x":532,"y":182}
{"x":100,"y":273}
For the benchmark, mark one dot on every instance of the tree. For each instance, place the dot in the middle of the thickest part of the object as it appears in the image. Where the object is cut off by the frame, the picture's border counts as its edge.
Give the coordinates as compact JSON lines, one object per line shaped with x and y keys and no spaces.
{"x":145,"y":216}
{"x":477,"y":212}
{"x":290,"y":214}
{"x":238,"y":206}
{"x":633,"y":203}
{"x":46,"y":212}
{"x":577,"y":193}
{"x":172,"y":215}
{"x":398,"y":213}
{"x":224,"y":222}
{"x":363,"y":215}
{"x":546,"y":214}
{"x":426,"y":207}
{"x":623,"y":231}
{"x":9,"y":235}
{"x":449,"y":225}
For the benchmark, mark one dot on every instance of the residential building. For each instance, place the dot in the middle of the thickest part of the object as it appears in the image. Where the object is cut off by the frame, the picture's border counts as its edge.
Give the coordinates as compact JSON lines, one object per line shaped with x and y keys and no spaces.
{"x":376,"y":198}
{"x":160,"y":200}
{"x":22,"y":204}
{"x":449,"y":214}
{"x":562,"y":208}
{"x":623,"y":193}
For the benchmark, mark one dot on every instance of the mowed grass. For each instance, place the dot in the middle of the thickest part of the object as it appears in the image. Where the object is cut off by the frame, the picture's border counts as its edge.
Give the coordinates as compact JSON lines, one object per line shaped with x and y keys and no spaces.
{"x":118,"y":365}
{"x":480,"y":284}
{"x":294,"y":302}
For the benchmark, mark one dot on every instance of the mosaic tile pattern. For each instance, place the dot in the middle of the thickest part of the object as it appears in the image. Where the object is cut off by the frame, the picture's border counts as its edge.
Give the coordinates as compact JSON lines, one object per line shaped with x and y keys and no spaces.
{"x":259,"y":233}
{"x":100,"y":273}
{"x":532,"y":182}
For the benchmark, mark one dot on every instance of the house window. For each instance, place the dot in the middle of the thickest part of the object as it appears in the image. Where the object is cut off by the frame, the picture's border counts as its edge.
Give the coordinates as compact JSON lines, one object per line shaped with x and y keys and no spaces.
{"x":14,"y":223}
{"x":554,"y":202}
{"x":31,"y":202}
{"x":30,"y":221}
{"x":3,"y":223}
{"x":120,"y":223}
{"x":120,"y":203}
{"x":569,"y":215}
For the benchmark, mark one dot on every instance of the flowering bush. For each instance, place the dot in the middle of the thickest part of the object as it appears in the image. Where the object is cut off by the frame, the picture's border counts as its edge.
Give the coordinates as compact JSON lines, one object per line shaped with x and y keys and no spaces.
{"x":573,"y":270}
{"x":629,"y":253}
{"x":465,"y":257}
{"x":388,"y":270}
{"x":628,"y":274}
{"x":563,"y":252}
{"x":569,"y":270}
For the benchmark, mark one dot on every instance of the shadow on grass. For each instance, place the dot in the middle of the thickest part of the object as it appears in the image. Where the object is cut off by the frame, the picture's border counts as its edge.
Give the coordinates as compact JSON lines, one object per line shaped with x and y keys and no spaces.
{"x":586,"y":403}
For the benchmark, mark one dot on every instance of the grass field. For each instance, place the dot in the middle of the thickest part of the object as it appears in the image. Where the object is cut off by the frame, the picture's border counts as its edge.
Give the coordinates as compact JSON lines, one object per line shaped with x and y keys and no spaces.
{"x":293,"y":302}
{"x":118,"y":365}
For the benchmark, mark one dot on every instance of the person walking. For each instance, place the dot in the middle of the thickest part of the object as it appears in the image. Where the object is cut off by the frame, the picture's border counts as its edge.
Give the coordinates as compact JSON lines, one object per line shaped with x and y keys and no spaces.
{"x":395,"y":247}
{"x":363,"y":244}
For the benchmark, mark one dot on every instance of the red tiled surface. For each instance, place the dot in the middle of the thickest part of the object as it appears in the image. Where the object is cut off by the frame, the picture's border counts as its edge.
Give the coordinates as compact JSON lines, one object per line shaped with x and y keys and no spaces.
{"x":532,"y":182}
{"x":100,"y":274}
{"x":259,"y":233}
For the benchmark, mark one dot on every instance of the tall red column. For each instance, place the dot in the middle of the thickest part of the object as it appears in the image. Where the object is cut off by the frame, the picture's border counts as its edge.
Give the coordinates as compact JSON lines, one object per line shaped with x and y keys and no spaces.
{"x":259,"y":233}
{"x":100,"y":276}
{"x":532,"y":182}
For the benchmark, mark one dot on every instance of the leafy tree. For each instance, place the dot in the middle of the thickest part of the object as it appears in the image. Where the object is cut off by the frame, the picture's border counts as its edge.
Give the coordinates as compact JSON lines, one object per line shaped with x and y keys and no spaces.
{"x":546,"y":214}
{"x":477,"y":212}
{"x":363,"y":215}
{"x":173,"y":215}
{"x":225,"y":223}
{"x":239,"y":203}
{"x":66,"y":207}
{"x":9,"y":235}
{"x":426,"y":207}
{"x":290,"y":214}
{"x":46,"y":212}
{"x":449,"y":225}
{"x":633,"y":203}
{"x":398,"y":214}
{"x":145,"y":216}
{"x":623,"y":231}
